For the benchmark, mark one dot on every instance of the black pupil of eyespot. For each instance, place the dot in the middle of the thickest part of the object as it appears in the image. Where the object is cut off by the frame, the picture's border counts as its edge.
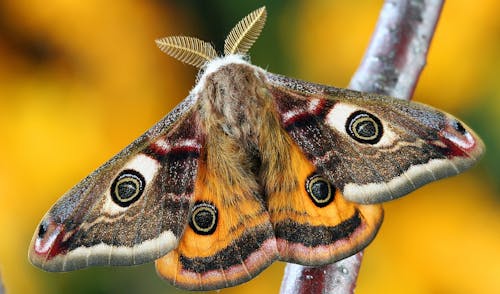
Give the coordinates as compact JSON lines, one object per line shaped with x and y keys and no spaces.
{"x":204,"y":219}
{"x":127,"y":189}
{"x":366,"y":128}
{"x":320,"y":190}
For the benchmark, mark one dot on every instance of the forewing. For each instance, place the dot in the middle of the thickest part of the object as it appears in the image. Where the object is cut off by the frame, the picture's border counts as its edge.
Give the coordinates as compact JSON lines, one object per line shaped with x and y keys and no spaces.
{"x":373,"y":148}
{"x":131,"y":210}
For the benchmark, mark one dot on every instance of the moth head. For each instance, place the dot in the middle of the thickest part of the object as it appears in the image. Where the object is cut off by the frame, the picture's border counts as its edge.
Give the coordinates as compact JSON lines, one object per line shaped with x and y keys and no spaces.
{"x":198,"y":53}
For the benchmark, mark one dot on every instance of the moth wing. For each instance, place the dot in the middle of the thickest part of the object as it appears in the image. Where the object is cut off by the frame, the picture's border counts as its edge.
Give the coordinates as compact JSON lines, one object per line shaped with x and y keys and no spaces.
{"x":313,"y":223}
{"x":131,"y":210}
{"x":228,"y":241}
{"x":371,"y":147}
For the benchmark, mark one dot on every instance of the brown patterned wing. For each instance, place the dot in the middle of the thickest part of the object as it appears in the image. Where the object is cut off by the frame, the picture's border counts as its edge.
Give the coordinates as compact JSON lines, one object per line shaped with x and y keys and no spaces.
{"x":314,"y":224}
{"x":373,"y":148}
{"x":230,"y":238}
{"x":131,"y":210}
{"x":228,"y":241}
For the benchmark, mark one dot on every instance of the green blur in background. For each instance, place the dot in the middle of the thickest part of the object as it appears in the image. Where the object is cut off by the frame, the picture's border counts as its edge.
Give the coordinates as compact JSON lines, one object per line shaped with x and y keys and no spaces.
{"x":79,"y":80}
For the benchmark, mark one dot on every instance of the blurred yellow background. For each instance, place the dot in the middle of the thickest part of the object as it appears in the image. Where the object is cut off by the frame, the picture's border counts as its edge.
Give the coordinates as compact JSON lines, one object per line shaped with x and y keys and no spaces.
{"x":79,"y":80}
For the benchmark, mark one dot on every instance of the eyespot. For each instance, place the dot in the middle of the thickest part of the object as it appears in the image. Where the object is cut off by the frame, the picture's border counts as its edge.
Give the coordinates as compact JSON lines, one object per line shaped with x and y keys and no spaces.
{"x":364,"y":127}
{"x":320,"y":190}
{"x":204,"y":218}
{"x":127,"y":188}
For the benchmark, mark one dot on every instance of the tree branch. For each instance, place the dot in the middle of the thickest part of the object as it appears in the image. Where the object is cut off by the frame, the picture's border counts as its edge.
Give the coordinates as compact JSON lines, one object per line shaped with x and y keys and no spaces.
{"x":391,"y":66}
{"x":1,"y":286}
{"x":398,"y":50}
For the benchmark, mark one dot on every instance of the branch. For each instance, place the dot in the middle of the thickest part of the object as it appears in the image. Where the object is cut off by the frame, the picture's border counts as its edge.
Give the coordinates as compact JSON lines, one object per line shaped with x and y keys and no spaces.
{"x":398,"y":49}
{"x":391,"y":66}
{"x":1,"y":286}
{"x":339,"y":277}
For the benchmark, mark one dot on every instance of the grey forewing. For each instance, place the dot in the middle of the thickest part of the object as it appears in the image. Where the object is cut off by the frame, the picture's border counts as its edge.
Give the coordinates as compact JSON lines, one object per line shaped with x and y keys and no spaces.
{"x":336,"y":155}
{"x":64,"y":209}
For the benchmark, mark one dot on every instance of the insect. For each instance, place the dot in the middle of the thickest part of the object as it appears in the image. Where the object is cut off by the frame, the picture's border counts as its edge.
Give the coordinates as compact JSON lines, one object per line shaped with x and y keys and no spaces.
{"x":250,"y":168}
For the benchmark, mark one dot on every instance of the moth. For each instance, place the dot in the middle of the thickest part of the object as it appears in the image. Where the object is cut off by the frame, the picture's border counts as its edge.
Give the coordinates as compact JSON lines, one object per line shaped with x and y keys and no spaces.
{"x":250,"y":168}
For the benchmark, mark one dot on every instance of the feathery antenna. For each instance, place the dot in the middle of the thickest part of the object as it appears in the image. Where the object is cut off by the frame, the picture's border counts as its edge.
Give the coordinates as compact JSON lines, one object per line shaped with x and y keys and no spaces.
{"x":197,"y":52}
{"x":187,"y":49}
{"x":246,"y":32}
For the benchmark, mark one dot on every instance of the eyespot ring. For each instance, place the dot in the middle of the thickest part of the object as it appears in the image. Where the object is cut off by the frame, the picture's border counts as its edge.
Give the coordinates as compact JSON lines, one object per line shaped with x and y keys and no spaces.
{"x":127,"y":187}
{"x":204,"y":218}
{"x":320,"y":190}
{"x":364,"y":127}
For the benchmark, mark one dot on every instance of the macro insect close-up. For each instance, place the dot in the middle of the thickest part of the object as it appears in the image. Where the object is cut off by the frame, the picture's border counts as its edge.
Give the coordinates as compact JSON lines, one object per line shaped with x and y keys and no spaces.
{"x":254,"y":167}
